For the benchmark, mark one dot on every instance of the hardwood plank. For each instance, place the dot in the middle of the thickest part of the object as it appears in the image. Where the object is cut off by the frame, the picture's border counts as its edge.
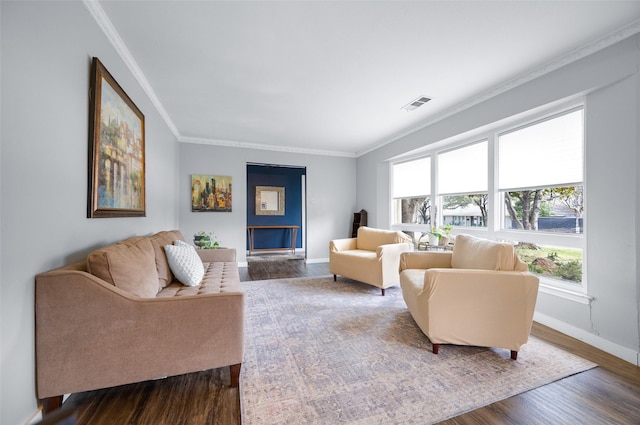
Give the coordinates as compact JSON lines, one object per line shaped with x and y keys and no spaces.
{"x":282,"y":269}
{"x":191,"y":399}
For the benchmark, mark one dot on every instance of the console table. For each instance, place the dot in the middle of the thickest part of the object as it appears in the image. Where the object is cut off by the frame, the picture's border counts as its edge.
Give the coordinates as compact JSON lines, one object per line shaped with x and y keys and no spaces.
{"x":294,"y":233}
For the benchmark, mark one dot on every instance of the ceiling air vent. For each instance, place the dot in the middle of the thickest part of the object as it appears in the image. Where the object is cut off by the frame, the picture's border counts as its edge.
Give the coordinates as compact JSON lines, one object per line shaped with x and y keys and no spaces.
{"x":415,"y":103}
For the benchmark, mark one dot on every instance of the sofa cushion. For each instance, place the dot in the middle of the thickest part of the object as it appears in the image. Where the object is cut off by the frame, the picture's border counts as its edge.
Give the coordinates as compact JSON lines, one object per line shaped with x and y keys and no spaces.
{"x":159,"y":240}
{"x":370,"y":239}
{"x":470,"y":252}
{"x":129,"y":265}
{"x":185,"y":263}
{"x":218,"y":277}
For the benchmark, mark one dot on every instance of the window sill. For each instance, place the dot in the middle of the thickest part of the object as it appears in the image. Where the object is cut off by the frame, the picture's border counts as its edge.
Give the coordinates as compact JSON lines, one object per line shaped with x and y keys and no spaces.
{"x":568,"y":294}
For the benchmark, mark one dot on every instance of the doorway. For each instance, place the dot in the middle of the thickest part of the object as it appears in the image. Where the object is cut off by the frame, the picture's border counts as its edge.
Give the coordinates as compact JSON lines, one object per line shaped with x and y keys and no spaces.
{"x":279,"y":214}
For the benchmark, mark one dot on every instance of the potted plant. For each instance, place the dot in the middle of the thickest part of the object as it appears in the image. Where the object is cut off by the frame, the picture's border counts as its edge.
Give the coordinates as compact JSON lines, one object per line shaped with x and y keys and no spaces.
{"x":434,"y":236}
{"x":205,"y":240}
{"x":445,"y":235}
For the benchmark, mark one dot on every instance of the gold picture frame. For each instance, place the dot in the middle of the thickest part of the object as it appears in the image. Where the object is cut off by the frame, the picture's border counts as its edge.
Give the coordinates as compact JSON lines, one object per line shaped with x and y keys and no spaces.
{"x":116,"y":149}
{"x":269,"y":200}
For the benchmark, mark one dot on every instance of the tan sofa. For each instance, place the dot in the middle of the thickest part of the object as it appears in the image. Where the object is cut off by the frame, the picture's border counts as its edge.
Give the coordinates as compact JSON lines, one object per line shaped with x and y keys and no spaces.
{"x":372,"y":257}
{"x":120,"y":317}
{"x":480,"y":294}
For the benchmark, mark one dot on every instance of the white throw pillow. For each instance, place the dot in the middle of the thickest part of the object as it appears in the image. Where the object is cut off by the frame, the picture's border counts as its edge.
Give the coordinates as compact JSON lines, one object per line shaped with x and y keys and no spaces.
{"x":185,"y":264}
{"x":179,"y":242}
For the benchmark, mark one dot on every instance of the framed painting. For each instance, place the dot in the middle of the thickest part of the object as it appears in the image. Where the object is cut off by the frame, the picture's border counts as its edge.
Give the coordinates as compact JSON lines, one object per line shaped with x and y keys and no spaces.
{"x":116,"y":149}
{"x":269,"y":200}
{"x":211,"y":193}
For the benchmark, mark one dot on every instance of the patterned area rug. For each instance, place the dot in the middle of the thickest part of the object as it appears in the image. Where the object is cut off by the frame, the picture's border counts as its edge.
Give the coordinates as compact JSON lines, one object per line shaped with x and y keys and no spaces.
{"x":325,"y":352}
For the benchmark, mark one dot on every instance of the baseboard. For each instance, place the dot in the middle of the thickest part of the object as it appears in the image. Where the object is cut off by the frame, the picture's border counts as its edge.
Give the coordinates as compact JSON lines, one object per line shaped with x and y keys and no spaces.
{"x":35,"y":418}
{"x":607,"y":346}
{"x":317,"y":260}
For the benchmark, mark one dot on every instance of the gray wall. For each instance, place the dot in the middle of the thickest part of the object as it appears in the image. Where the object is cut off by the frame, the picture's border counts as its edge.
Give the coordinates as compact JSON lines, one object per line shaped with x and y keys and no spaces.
{"x":331,"y":195}
{"x":609,"y":79}
{"x":46,"y":53}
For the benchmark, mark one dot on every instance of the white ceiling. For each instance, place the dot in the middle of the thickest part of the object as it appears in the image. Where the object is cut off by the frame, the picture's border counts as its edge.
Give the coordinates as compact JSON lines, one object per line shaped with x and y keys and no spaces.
{"x":332,"y":76}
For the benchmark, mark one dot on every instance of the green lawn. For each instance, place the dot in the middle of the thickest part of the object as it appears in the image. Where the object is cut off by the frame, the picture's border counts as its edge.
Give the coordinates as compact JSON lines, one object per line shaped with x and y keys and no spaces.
{"x":564,"y":264}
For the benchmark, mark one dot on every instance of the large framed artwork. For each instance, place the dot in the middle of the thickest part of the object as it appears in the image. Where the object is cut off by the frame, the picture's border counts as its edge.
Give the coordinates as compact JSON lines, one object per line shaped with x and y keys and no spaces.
{"x":116,"y":149}
{"x":211,"y":193}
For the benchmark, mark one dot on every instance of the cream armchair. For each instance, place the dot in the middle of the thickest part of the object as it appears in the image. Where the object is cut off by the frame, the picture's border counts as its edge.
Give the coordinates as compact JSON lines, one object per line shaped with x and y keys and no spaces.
{"x":480,"y":294}
{"x":372,"y":257}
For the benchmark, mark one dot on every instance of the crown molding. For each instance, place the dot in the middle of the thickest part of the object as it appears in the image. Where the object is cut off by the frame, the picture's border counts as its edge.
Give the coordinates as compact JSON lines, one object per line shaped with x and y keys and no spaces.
{"x":245,"y":145}
{"x":570,"y":57}
{"x":99,"y":15}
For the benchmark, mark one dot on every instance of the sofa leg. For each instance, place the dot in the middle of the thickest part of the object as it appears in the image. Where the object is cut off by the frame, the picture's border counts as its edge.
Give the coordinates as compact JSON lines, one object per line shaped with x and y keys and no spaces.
{"x":234,"y":370}
{"x":50,"y":404}
{"x":514,"y":355}
{"x":334,"y":277}
{"x":436,"y":348}
{"x":382,"y":291}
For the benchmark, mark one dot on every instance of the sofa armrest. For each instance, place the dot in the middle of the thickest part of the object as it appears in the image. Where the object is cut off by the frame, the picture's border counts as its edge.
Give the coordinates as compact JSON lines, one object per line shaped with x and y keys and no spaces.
{"x":346,"y":244}
{"x":425,"y":260}
{"x":389,"y":256}
{"x":485,"y":307}
{"x":393,"y":249}
{"x":90,"y":334}
{"x":220,"y":255}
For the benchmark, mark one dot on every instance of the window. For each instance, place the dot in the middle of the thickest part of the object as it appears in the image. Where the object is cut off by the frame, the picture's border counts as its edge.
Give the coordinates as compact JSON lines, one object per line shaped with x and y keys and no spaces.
{"x":544,"y":154}
{"x":463,"y":184}
{"x":540,"y":181}
{"x":520,"y":184}
{"x":411,"y":190}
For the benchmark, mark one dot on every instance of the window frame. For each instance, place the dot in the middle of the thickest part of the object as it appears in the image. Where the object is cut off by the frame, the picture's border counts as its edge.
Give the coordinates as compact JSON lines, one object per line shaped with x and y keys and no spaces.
{"x":493,"y":229}
{"x":392,"y":208}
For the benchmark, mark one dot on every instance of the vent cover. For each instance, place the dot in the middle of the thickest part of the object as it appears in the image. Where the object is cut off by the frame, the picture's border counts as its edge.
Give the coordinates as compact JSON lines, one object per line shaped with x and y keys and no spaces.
{"x":416,"y":103}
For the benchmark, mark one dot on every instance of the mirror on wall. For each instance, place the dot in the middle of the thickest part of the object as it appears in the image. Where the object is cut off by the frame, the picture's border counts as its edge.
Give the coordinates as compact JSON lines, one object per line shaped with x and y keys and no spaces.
{"x":269,"y":200}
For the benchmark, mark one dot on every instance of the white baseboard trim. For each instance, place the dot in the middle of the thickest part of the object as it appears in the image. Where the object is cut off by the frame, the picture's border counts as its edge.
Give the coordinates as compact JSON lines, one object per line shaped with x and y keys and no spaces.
{"x":317,"y":260}
{"x":35,"y":418}
{"x":612,"y":348}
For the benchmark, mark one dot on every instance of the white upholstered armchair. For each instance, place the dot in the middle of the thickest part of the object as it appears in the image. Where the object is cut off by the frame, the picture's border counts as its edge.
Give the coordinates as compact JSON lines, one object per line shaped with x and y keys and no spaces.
{"x":480,"y":294}
{"x":372,"y":257}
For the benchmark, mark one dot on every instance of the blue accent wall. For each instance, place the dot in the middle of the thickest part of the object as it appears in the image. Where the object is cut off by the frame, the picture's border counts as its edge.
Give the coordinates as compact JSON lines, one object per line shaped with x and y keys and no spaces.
{"x":291,"y":179}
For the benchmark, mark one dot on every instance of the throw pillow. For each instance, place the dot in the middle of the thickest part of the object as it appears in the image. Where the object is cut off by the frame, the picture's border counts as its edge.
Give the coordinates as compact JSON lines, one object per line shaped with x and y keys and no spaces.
{"x":130,"y":265}
{"x":159,"y":240}
{"x":185,"y":264}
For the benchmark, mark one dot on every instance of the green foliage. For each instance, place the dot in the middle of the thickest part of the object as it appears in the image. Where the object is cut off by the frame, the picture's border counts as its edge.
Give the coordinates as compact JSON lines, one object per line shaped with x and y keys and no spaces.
{"x":571,"y":270}
{"x":455,"y":201}
{"x":545,"y":209}
{"x":568,"y":262}
{"x":205,"y":240}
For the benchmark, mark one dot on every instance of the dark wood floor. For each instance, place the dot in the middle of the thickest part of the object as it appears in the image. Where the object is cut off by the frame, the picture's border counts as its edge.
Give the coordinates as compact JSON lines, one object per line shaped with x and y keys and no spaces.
{"x":262,"y":270}
{"x":609,"y":394}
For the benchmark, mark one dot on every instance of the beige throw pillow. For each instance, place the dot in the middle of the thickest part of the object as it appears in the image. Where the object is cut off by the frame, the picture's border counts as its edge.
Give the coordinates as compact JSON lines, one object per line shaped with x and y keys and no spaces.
{"x":129,"y":265}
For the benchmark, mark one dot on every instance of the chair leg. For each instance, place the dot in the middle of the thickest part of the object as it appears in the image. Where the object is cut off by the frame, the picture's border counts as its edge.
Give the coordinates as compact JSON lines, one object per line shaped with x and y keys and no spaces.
{"x":382,"y":291}
{"x":234,"y":370}
{"x":50,"y":404}
{"x":514,"y":355}
{"x":436,"y":348}
{"x":334,"y":277}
